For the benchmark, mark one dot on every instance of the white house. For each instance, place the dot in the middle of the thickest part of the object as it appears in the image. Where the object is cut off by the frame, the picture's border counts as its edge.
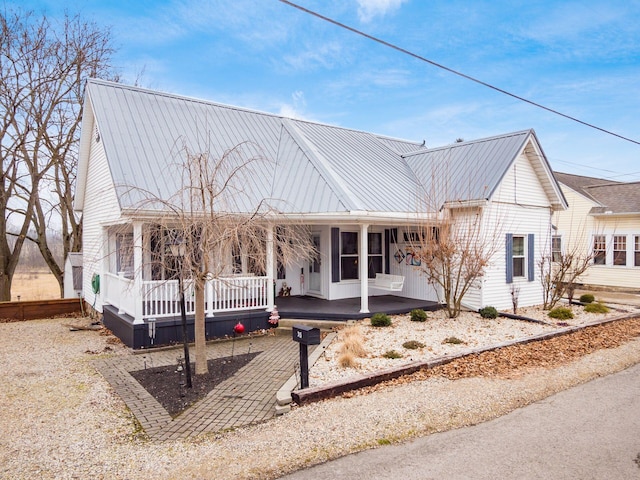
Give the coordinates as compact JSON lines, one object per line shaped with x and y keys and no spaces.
{"x":361,"y":195}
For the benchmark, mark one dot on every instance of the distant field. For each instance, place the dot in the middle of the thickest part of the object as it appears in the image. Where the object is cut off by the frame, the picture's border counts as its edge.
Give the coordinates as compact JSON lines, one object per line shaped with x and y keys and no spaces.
{"x":34,"y":285}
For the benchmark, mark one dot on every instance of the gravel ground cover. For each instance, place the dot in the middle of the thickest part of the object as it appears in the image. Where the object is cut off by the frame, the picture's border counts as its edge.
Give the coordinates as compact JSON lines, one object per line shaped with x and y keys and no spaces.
{"x":60,"y":419}
{"x":436,"y":334}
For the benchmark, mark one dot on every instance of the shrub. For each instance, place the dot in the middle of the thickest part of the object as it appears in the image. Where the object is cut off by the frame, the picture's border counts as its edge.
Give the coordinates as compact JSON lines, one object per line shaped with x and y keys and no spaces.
{"x":347,"y":360}
{"x":413,"y":345}
{"x":587,"y":298}
{"x":418,"y":315}
{"x":596,"y":307}
{"x":561,"y":313}
{"x":488,"y":312}
{"x":391,"y":354}
{"x":380,"y":320}
{"x":453,"y":340}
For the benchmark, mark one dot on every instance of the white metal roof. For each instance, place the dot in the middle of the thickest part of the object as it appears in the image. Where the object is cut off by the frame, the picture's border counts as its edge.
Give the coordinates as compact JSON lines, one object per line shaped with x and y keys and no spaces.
{"x":305,"y":167}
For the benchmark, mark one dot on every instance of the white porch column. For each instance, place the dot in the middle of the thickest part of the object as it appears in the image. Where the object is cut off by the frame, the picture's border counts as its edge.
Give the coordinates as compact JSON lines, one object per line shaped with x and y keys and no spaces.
{"x":363,"y":263}
{"x":137,"y":271}
{"x":270,"y":270}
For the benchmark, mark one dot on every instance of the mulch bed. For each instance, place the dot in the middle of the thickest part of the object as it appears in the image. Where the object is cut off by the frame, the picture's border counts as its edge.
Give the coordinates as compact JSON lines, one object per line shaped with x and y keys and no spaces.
{"x":167,"y":384}
{"x":517,"y":359}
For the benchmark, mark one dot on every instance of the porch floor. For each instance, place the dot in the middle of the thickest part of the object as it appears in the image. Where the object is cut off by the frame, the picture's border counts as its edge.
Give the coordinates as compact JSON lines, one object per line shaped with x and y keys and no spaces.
{"x":307,"y":307}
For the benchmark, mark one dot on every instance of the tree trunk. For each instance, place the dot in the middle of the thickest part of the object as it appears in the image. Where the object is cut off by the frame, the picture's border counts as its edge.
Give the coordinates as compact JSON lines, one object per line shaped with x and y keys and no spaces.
{"x":200,"y":334}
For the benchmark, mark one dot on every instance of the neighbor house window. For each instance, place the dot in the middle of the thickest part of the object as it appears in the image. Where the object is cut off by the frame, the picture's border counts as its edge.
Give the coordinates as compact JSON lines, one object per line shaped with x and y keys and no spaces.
{"x":375,"y":254}
{"x":349,"y":255}
{"x":518,"y":256}
{"x":619,"y":249}
{"x":556,"y":248}
{"x":599,"y":250}
{"x":636,"y":251}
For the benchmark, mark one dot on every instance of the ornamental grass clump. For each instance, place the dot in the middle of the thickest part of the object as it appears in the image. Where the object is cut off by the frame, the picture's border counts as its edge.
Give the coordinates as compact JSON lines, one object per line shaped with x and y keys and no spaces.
{"x":587,"y":298}
{"x":380,"y":320}
{"x":418,"y":315}
{"x":488,"y":312}
{"x":453,"y":340}
{"x":352,"y":341}
{"x":596,"y":307}
{"x":347,"y":360}
{"x":561,"y":313}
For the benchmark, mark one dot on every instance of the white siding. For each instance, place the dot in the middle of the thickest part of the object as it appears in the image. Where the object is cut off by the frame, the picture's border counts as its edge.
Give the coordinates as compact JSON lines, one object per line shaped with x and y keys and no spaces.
{"x":518,"y":220}
{"x":521,"y":185}
{"x":520,"y":206}
{"x":100,"y":207}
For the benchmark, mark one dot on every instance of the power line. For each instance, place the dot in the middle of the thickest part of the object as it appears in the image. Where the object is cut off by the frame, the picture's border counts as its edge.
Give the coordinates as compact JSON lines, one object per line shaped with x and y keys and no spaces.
{"x":455,"y":72}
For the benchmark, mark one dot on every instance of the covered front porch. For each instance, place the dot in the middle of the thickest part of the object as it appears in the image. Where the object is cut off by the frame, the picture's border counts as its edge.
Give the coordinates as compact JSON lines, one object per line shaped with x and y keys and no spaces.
{"x":167,"y":329}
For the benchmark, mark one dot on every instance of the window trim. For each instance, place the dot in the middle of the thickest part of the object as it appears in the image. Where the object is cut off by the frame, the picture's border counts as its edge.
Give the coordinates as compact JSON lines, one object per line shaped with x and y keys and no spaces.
{"x":521,"y":257}
{"x":556,"y":250}
{"x":351,"y":255}
{"x":599,"y":240}
{"x":619,"y":254}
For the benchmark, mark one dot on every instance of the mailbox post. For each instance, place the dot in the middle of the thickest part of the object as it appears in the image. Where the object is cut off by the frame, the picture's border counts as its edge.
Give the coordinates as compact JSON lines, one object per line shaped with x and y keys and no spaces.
{"x":305,"y":336}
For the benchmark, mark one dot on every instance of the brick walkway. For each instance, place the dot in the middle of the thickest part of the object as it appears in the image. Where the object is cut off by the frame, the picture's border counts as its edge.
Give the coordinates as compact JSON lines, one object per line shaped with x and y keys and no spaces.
{"x":245,"y":398}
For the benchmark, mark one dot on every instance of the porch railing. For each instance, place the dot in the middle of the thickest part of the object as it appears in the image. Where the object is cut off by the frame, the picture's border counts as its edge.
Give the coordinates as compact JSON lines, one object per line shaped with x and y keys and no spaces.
{"x":161,"y":298}
{"x":118,"y":291}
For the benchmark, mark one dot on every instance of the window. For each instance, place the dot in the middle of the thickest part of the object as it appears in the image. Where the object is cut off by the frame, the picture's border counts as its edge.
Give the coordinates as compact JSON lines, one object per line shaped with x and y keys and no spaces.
{"x":349,"y":255}
{"x":375,"y":254}
{"x":636,"y":251}
{"x":236,"y":259}
{"x":619,"y":249}
{"x":556,"y":248}
{"x":599,"y":250}
{"x":518,"y":256}
{"x":124,"y":257}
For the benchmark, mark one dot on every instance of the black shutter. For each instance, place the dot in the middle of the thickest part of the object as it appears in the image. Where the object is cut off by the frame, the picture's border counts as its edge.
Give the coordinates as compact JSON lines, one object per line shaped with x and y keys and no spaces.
{"x":509,"y":257}
{"x":387,"y":241}
{"x":531,"y":259}
{"x":335,"y":255}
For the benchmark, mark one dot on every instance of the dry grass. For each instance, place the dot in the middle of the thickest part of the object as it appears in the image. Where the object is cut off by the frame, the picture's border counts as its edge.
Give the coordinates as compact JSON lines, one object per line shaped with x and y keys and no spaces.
{"x":34,"y":285}
{"x":352,"y":342}
{"x":347,"y":360}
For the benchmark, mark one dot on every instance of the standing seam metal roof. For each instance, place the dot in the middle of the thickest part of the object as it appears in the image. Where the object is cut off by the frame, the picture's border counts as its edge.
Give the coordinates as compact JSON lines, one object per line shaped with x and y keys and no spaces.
{"x":303,"y":167}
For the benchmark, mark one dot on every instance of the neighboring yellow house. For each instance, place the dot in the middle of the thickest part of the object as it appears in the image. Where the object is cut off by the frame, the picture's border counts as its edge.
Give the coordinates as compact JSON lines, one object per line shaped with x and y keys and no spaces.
{"x":603,"y":220}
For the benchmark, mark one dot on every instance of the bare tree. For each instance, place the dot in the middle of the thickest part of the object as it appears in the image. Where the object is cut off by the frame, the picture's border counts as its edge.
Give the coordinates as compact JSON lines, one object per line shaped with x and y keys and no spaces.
{"x":559,"y":274}
{"x":214,"y":214}
{"x":43,"y":67}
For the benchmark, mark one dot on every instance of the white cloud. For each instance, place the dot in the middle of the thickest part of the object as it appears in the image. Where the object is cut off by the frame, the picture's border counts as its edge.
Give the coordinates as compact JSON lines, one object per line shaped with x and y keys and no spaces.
{"x":368,"y":9}
{"x":296,"y":108}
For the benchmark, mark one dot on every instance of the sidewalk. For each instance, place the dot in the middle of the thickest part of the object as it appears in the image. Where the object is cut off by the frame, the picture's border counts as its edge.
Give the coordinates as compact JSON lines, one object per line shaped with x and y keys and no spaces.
{"x":247,"y":397}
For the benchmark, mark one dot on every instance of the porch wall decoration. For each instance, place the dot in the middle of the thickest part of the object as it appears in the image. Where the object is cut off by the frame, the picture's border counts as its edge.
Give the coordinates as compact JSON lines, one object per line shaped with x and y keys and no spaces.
{"x":412,"y":259}
{"x":399,"y":256}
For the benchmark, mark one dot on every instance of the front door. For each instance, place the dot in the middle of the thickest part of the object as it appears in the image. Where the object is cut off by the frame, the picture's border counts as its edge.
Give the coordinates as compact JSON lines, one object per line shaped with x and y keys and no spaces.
{"x":314,"y":267}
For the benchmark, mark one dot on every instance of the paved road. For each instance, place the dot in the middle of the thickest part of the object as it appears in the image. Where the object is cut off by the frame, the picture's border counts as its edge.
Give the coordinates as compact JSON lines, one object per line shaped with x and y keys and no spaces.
{"x":588,"y":432}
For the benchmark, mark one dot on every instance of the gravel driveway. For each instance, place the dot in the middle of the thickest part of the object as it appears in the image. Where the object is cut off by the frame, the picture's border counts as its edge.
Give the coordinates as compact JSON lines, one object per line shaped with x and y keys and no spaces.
{"x":60,"y":419}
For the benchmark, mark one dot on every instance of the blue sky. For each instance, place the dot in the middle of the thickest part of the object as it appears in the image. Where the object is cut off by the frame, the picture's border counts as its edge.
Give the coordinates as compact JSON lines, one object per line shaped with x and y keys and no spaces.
{"x":581,"y":58}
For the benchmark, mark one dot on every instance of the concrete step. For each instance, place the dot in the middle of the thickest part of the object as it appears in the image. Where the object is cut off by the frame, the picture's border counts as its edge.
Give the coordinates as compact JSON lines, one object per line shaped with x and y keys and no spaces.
{"x":286,"y":324}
